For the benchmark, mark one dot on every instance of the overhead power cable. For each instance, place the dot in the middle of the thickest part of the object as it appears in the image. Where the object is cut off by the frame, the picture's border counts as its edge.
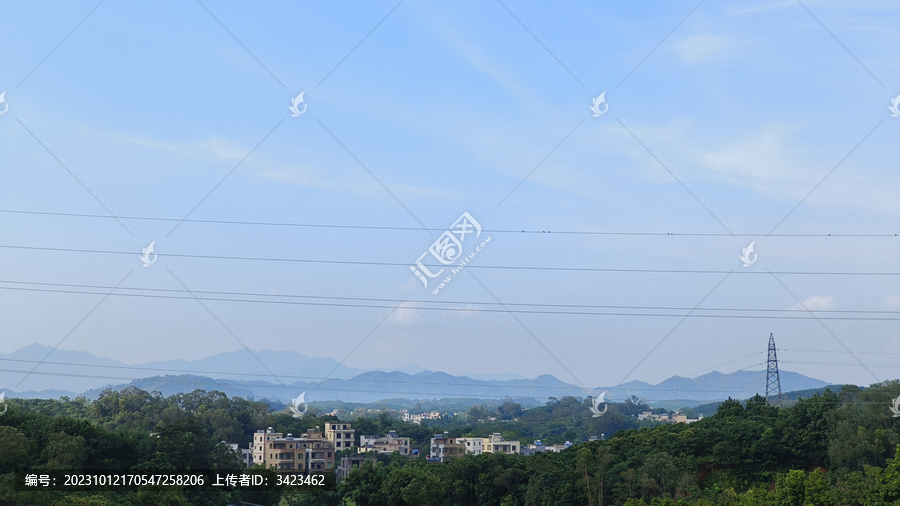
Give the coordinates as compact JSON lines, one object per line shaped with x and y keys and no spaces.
{"x":842,"y":364}
{"x":468,"y":266}
{"x":421,"y":229}
{"x":106,"y":288}
{"x":841,"y":351}
{"x":471,"y":307}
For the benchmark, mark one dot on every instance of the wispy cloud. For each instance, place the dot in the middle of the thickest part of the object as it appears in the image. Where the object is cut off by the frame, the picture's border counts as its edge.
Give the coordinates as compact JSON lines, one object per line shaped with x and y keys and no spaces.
{"x":406,"y":314}
{"x":763,"y":157}
{"x":703,"y":48}
{"x":211,"y":149}
{"x":764,"y":7}
{"x":816,"y":303}
{"x":892,"y":301}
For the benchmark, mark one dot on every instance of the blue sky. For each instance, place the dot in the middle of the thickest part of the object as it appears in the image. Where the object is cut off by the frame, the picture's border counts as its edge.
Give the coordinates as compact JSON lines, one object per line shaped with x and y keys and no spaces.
{"x":721,"y":119}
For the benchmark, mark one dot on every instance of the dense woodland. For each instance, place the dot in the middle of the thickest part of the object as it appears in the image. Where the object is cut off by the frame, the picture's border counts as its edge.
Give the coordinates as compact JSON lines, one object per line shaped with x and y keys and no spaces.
{"x":833,"y":448}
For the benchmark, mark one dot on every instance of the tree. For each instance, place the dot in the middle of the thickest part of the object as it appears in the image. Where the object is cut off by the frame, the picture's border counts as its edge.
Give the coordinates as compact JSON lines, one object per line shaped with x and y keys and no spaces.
{"x":509,"y":410}
{"x":64,"y":451}
{"x":15,"y":449}
{"x":584,"y":464}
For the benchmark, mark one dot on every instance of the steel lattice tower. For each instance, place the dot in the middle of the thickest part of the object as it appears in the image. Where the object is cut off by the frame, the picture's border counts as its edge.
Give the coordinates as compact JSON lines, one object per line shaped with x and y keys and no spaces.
{"x":773,"y":379}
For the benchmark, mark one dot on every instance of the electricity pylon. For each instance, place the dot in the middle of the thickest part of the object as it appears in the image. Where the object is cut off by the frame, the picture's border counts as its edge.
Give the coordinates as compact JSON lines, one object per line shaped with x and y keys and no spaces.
{"x":773,"y":379}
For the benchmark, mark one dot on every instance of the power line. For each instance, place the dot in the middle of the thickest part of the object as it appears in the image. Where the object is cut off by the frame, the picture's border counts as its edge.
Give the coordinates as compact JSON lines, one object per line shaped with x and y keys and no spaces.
{"x":439,"y":302}
{"x":797,"y":315}
{"x":841,"y":352}
{"x":844,"y":364}
{"x":420,"y":229}
{"x":469,"y":266}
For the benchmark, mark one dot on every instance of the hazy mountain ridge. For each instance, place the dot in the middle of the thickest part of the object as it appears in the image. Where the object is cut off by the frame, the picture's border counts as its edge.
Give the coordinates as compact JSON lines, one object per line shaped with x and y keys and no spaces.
{"x":713,"y":386}
{"x":237,"y":373}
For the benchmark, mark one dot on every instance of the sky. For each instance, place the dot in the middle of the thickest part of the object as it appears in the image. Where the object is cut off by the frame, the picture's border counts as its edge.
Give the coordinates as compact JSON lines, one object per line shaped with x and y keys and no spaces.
{"x":610,"y":239}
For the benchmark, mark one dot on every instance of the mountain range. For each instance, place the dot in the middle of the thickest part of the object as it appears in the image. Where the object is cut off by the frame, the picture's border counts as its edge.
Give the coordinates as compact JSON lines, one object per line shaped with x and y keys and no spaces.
{"x":286,"y":374}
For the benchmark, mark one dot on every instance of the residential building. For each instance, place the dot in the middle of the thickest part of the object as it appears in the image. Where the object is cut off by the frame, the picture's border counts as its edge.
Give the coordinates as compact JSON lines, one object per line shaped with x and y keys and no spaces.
{"x":389,"y":443}
{"x":474,"y":445}
{"x":417,"y":419}
{"x":559,"y":448}
{"x":444,"y":448}
{"x":311,"y":452}
{"x":350,"y":463}
{"x":496,"y":444}
{"x":245,"y":453}
{"x":664,"y":417}
{"x":536,"y":447}
{"x":341,"y":435}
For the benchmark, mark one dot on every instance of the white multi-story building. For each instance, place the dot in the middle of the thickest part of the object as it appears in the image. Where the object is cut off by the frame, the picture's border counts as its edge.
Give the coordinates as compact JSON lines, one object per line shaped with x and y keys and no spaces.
{"x":389,"y":443}
{"x":474,"y":445}
{"x":496,"y":444}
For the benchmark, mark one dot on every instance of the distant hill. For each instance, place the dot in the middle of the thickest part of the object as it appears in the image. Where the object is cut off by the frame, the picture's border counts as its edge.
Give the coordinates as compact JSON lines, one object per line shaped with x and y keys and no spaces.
{"x":364,"y":388}
{"x":238,"y":373}
{"x":19,"y":363}
{"x":98,"y":372}
{"x":712,"y":386}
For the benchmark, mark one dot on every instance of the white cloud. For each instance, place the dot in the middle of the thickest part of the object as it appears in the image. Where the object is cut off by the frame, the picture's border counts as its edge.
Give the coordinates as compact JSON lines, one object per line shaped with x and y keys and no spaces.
{"x":209,"y":149}
{"x":703,"y":48}
{"x":763,"y":157}
{"x":406,"y":314}
{"x":475,"y":55}
{"x":299,"y":177}
{"x":816,"y":303}
{"x":465,"y":311}
{"x":765,"y":7}
{"x":892,"y":301}
{"x":412,"y":285}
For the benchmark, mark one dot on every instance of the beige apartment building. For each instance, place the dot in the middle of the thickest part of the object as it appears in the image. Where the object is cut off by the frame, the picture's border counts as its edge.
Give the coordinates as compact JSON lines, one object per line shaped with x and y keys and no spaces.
{"x":444,"y":448}
{"x":310,"y":453}
{"x":341,"y":435}
{"x":496,"y":444}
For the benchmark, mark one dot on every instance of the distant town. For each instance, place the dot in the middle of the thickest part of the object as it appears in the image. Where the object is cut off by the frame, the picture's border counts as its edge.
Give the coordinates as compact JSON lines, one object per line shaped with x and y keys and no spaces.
{"x":317,"y":450}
